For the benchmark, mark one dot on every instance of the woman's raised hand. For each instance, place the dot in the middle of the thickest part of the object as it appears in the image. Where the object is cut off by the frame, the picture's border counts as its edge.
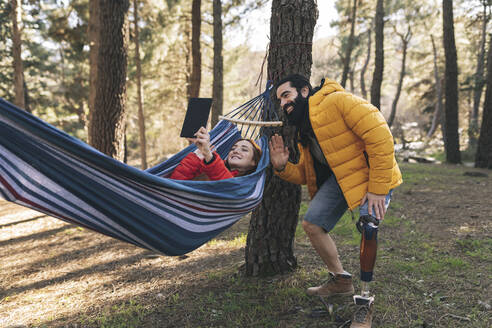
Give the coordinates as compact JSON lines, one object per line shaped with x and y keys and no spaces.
{"x":279,"y":154}
{"x":202,"y":142}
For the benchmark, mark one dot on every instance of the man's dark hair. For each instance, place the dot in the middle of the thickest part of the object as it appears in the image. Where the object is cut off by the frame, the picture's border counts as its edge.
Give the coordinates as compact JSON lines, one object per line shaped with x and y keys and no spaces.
{"x":297,"y":81}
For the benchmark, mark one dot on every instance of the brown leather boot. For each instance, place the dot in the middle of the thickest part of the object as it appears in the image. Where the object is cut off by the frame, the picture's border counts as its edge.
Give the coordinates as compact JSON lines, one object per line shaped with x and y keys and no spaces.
{"x":337,"y":285}
{"x":362,"y":317}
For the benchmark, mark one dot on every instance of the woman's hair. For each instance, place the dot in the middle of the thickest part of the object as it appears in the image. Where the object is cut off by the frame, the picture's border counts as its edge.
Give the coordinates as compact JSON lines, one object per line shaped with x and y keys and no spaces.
{"x":256,"y":154}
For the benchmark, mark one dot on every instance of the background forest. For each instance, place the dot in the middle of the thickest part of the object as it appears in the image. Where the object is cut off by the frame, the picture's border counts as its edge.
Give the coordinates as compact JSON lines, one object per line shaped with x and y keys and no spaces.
{"x":53,"y":38}
{"x":118,"y":75}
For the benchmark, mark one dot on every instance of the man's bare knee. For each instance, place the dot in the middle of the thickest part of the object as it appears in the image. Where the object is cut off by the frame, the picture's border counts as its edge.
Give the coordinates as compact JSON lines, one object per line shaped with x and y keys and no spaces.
{"x":311,"y":229}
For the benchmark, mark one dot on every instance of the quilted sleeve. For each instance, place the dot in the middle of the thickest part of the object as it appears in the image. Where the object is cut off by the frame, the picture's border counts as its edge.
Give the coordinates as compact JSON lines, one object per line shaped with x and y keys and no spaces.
{"x":367,"y":122}
{"x":216,"y":170}
{"x":294,"y":173}
{"x":189,"y":168}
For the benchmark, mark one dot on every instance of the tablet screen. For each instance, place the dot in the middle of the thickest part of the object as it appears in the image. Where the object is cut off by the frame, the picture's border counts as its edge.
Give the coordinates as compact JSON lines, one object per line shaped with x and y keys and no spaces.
{"x":196,"y":116}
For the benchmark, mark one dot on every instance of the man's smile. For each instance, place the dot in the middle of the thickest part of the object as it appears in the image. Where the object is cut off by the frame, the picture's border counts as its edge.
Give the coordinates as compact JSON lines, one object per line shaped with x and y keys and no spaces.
{"x":289,"y":108}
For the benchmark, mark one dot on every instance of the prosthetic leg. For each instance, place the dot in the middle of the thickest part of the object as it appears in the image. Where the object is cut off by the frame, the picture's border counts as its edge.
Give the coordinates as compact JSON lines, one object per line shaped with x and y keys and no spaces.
{"x":368,"y":227}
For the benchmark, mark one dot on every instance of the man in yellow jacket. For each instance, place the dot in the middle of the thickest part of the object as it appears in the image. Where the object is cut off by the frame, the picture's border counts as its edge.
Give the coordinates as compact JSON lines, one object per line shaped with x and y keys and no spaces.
{"x":346,"y":159}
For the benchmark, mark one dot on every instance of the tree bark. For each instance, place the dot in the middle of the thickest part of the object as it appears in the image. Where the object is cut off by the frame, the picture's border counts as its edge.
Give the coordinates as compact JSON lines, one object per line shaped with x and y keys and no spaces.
{"x":196,"y":68}
{"x":141,"y":116}
{"x":377,"y":78}
{"x":451,"y":120}
{"x":16,"y":54}
{"x":405,"y":39}
{"x":108,"y":119}
{"x":218,"y":84}
{"x":364,"y":67}
{"x":93,"y":32}
{"x":350,"y":46}
{"x":270,"y":242}
{"x":479,"y":83}
{"x":436,"y":119}
{"x":483,"y":157}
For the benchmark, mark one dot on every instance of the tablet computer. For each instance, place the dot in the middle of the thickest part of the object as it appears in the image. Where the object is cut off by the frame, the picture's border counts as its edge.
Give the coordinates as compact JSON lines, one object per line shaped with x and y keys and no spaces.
{"x":196,"y":116}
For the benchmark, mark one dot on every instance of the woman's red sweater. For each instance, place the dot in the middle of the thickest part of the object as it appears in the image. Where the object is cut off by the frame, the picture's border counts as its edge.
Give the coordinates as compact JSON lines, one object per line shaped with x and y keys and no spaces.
{"x":192,"y":166}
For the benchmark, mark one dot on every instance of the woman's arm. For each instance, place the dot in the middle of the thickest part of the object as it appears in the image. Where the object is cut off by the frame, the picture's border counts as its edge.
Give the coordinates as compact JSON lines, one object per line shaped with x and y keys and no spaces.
{"x":190,"y":167}
{"x":216,"y":169}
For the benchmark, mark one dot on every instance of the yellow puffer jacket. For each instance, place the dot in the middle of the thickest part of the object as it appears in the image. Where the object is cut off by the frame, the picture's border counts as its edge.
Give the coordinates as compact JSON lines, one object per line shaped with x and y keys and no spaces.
{"x":346,"y":126}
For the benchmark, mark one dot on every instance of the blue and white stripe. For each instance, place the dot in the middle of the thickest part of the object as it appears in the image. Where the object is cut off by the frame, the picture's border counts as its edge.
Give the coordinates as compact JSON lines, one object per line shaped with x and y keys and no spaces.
{"x":46,"y":169}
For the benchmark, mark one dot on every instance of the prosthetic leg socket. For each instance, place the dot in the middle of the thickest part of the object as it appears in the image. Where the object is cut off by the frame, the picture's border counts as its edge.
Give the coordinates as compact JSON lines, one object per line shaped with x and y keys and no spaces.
{"x":368,"y":227}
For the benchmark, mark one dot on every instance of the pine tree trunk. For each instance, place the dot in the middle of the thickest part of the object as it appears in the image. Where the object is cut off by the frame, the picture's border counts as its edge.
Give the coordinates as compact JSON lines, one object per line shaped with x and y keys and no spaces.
{"x":364,"y":67}
{"x":218,"y":84}
{"x":350,"y":46}
{"x":270,"y":242}
{"x":405,"y":39}
{"x":377,"y":78}
{"x":108,"y":119}
{"x":483,"y":157}
{"x":93,"y":32}
{"x":451,"y":121}
{"x":16,"y":54}
{"x":141,"y":116}
{"x":196,"y":68}
{"x":436,"y":119}
{"x":479,"y":83}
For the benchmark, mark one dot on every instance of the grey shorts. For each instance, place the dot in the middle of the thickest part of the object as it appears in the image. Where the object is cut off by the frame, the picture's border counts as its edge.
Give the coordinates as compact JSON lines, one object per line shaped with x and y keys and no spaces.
{"x":329,"y":205}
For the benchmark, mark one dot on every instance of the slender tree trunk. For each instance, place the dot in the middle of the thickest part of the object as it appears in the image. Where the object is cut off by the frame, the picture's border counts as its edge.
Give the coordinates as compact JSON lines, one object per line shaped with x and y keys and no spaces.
{"x":436,"y":119}
{"x":483,"y":157}
{"x":405,"y":39}
{"x":364,"y":67}
{"x":93,"y":32}
{"x":108,"y":119}
{"x":141,"y":116}
{"x":189,"y":59}
{"x":451,"y":120}
{"x":479,"y":83}
{"x":15,"y":13}
{"x":218,"y":84}
{"x":269,"y":247}
{"x":350,"y":45}
{"x":351,"y":79}
{"x":377,"y":78}
{"x":196,"y":68}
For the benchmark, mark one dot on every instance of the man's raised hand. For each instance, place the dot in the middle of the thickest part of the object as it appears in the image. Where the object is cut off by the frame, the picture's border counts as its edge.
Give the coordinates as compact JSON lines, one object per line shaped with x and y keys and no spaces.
{"x":279,"y":154}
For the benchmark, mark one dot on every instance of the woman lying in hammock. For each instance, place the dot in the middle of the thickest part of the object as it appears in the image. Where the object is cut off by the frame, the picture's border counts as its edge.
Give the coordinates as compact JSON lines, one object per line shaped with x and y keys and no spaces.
{"x":242,"y":160}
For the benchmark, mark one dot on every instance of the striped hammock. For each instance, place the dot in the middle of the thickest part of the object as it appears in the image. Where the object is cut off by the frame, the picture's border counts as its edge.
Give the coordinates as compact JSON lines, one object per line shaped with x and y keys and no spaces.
{"x":46,"y":169}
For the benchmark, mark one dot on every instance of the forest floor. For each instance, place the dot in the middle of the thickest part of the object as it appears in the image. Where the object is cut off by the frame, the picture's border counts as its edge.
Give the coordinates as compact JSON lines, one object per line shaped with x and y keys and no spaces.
{"x":434,"y":269}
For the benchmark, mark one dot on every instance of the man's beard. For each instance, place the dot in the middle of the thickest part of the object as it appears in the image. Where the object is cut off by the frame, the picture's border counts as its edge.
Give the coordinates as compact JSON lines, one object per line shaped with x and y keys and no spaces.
{"x":298,"y":113}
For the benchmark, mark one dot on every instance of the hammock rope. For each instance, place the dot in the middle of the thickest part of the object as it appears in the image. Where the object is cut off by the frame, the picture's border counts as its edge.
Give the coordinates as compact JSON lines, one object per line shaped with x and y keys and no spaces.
{"x":46,"y":169}
{"x":256,"y":115}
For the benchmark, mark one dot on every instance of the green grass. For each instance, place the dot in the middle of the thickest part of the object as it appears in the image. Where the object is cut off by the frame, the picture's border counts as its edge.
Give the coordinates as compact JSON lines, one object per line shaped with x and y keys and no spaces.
{"x":480,"y":249}
{"x":126,"y":315}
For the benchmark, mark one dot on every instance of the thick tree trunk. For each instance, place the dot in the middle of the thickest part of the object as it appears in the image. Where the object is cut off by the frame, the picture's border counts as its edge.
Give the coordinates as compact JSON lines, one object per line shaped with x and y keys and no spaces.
{"x":196,"y":68}
{"x":269,"y":248}
{"x":377,"y":78}
{"x":141,"y":116}
{"x":483,"y":157}
{"x":479,"y":83}
{"x":218,"y":84}
{"x":405,"y":39}
{"x":16,"y":54}
{"x":436,"y":119}
{"x":364,"y":67}
{"x":108,"y":119}
{"x":350,"y":46}
{"x":93,"y":32}
{"x":451,"y":121}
